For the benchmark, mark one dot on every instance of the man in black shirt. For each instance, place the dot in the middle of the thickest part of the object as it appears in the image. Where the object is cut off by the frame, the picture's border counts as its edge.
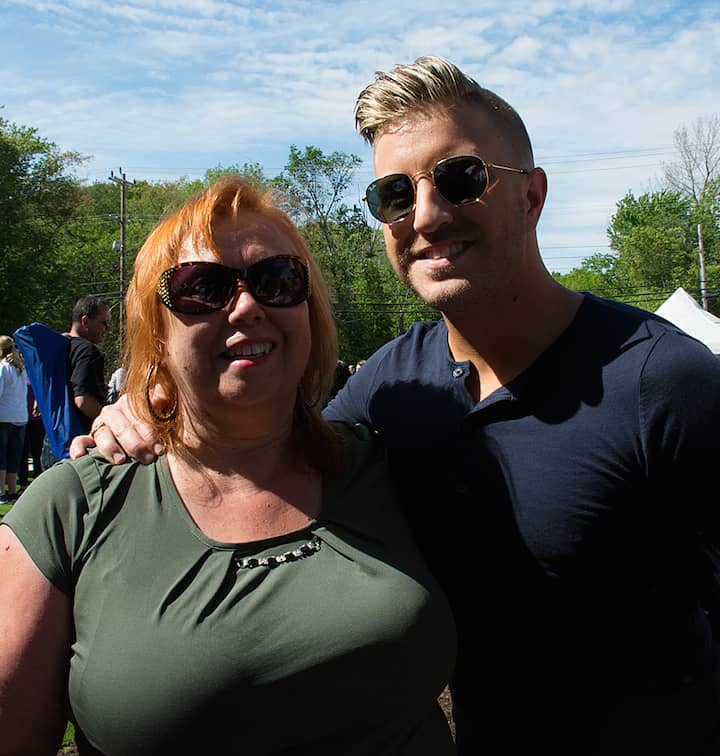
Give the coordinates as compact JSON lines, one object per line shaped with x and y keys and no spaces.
{"x":86,"y":365}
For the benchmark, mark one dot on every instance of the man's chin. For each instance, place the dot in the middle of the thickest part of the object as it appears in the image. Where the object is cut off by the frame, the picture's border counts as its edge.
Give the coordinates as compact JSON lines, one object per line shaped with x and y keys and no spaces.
{"x":440,"y":295}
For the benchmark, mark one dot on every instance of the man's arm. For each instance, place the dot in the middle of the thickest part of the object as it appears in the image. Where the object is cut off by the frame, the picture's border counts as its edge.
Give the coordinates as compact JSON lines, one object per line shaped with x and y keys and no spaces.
{"x":88,"y":405}
{"x":120,"y":434}
{"x":680,"y":414}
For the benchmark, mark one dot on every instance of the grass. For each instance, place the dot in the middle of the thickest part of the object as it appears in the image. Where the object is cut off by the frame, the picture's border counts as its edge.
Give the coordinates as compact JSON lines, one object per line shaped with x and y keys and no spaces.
{"x":4,"y":509}
{"x":69,"y":734}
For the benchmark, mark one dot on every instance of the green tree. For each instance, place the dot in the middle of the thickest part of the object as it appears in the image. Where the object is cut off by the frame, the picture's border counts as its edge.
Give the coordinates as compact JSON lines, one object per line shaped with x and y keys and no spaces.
{"x":253,"y":173}
{"x":600,"y":274}
{"x":695,"y":174}
{"x":39,"y":196}
{"x":654,"y":240}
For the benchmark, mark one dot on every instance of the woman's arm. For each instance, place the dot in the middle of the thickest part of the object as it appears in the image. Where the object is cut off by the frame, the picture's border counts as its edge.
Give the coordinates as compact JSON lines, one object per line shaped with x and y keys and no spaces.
{"x":35,"y":638}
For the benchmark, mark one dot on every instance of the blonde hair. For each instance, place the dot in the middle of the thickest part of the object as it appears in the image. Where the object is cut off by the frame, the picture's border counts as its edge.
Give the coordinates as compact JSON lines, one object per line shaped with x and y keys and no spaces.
{"x":143,"y":351}
{"x":10,"y":352}
{"x":428,"y":82}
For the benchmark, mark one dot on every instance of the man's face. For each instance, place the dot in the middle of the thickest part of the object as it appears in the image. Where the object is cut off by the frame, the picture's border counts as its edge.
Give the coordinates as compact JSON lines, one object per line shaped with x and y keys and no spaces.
{"x":451,"y":255}
{"x":98,"y":326}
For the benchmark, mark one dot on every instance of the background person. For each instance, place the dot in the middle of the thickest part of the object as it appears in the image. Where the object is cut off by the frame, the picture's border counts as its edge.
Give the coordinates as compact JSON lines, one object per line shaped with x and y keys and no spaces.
{"x":34,"y":436}
{"x":85,"y":367}
{"x":116,"y":385}
{"x":90,"y":324}
{"x":256,"y":590}
{"x":13,"y":416}
{"x":556,"y":449}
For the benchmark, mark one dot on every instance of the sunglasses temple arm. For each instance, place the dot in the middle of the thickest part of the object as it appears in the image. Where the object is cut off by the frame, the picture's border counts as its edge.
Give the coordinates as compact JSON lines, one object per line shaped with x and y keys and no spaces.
{"x":507,"y":168}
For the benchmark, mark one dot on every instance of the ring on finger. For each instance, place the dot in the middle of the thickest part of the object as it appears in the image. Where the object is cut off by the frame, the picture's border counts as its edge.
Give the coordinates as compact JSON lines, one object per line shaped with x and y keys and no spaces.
{"x":96,"y":427}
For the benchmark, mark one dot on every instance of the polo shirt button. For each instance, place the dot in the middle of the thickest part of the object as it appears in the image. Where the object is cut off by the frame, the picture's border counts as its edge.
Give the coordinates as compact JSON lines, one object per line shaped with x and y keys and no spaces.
{"x":457,"y":372}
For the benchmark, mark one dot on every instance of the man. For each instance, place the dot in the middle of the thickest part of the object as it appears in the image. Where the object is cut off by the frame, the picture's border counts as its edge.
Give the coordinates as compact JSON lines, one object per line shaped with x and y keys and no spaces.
{"x":90,"y":325}
{"x":555,"y":449}
{"x":50,"y":358}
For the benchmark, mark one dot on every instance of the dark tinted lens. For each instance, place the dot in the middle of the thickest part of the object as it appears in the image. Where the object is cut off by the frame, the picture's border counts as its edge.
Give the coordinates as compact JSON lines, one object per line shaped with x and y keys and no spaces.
{"x":390,"y":198}
{"x":278,"y":281}
{"x":201,"y":287}
{"x":461,"y":179}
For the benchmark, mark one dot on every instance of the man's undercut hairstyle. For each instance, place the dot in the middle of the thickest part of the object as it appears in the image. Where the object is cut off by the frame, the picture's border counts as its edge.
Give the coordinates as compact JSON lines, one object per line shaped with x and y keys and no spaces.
{"x":89,"y":306}
{"x":428,"y":82}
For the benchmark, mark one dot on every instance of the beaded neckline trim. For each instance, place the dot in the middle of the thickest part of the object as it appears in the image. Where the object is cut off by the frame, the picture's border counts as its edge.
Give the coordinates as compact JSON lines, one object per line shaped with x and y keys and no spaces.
{"x":306,"y":550}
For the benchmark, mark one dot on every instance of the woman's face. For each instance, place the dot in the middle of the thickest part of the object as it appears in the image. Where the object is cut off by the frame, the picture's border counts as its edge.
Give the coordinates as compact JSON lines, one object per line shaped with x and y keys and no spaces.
{"x":245,"y":359}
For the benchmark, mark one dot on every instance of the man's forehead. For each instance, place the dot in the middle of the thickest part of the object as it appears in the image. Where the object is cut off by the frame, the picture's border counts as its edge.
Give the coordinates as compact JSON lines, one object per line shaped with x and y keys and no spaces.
{"x":444,"y":131}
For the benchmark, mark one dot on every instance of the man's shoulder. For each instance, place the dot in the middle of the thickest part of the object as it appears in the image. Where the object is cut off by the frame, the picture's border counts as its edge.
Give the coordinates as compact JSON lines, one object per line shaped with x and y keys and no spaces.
{"x":639,"y":342}
{"x":615,"y":319}
{"x":79,"y":345}
{"x":427,"y":336}
{"x":80,"y":342}
{"x":408,"y":360}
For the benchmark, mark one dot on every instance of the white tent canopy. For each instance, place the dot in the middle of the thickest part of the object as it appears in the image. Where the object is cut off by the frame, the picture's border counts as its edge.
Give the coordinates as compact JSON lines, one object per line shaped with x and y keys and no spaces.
{"x":682,"y":310}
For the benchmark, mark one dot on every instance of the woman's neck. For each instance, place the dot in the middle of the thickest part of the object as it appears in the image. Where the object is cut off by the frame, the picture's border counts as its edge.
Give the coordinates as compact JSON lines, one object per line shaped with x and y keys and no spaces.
{"x":249,"y":491}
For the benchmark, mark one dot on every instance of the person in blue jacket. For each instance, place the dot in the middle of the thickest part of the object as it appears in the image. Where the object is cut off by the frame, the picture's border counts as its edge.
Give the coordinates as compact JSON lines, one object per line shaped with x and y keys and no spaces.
{"x":556,"y":450}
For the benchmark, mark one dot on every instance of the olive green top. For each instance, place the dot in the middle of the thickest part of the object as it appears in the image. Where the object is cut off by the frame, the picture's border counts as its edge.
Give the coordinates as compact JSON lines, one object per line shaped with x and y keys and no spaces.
{"x":183,"y":647}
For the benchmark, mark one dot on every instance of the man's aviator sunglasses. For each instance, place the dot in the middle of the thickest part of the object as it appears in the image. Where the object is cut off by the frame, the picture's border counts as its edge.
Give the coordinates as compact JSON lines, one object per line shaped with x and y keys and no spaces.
{"x":193,"y":288}
{"x":460,"y":180}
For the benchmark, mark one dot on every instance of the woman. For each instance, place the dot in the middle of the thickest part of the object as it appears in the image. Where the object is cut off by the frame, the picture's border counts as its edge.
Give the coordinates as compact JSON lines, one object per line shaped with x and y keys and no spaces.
{"x":13,"y":416}
{"x":255,"y":591}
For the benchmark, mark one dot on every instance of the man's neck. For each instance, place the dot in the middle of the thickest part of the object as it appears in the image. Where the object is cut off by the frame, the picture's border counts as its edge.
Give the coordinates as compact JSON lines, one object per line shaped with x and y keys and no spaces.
{"x":503,"y":340}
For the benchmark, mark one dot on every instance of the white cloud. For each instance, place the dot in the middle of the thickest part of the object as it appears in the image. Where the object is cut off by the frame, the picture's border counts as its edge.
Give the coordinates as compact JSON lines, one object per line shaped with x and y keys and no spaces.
{"x":172,"y":85}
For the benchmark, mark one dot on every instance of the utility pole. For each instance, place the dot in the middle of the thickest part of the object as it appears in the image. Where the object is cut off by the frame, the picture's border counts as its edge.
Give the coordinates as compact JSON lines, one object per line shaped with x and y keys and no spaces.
{"x":123,"y":227}
{"x":703,"y":283}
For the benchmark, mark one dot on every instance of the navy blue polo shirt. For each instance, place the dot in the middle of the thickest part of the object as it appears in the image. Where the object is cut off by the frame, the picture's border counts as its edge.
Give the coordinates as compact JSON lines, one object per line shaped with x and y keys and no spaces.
{"x":572,"y":519}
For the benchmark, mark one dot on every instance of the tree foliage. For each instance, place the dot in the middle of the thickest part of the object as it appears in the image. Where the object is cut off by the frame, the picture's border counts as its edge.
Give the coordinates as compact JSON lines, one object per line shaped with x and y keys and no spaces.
{"x":656,"y":237}
{"x":38,"y":198}
{"x":652,"y":235}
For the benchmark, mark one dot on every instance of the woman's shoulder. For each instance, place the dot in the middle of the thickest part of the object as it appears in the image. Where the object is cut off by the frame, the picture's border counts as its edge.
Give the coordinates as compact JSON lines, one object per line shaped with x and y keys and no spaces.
{"x":91,"y":475}
{"x":59,"y":513}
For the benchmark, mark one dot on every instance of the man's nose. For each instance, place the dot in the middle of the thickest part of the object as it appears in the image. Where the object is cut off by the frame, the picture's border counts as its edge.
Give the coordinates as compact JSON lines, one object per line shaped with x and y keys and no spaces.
{"x":432,"y":210}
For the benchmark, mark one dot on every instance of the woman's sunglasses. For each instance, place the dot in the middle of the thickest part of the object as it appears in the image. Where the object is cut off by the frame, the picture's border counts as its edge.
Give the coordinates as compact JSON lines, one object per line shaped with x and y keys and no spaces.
{"x":192,"y":288}
{"x":460,"y":180}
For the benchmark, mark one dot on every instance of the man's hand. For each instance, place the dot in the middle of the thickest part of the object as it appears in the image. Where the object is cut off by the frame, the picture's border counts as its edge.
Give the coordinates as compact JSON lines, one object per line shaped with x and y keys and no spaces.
{"x":117,"y":434}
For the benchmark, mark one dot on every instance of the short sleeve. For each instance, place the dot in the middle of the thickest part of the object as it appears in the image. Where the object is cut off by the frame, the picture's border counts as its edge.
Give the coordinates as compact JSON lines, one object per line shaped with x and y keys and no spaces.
{"x":680,"y":427}
{"x":52,"y":519}
{"x":351,"y":405}
{"x":84,"y":360}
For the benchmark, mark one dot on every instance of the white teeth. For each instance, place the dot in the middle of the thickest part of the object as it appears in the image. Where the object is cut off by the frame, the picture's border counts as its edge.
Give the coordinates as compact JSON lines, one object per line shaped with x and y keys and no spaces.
{"x":249,"y":350}
{"x":439,"y":254}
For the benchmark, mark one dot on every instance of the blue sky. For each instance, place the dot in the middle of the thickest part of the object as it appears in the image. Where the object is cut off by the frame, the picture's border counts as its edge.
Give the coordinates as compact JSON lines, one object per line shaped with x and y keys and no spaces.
{"x":170,"y":88}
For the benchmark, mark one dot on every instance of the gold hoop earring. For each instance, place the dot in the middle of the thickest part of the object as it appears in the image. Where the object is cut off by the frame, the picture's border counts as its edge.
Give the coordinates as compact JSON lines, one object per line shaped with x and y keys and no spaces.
{"x":307,"y":405}
{"x":160,"y":418}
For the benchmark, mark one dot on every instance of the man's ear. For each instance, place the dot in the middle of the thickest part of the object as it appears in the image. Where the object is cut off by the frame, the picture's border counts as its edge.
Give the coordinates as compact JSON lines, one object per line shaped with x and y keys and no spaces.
{"x":535,"y":196}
